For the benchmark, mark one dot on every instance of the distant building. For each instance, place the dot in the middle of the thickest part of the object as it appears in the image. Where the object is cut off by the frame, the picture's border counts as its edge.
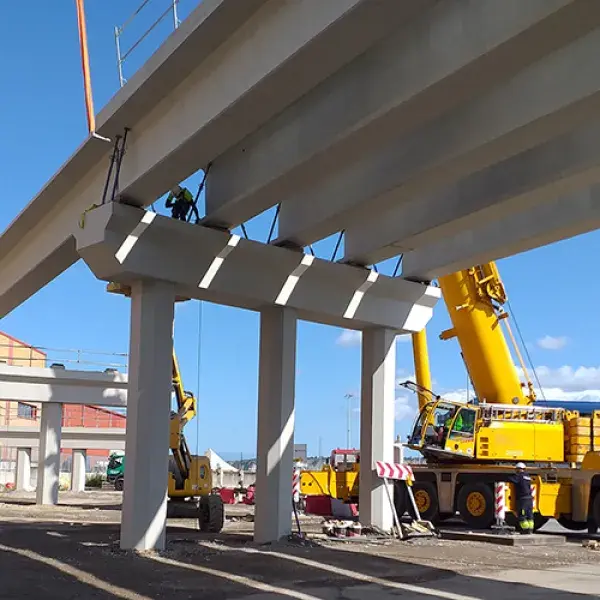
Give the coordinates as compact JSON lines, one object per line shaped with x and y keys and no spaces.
{"x":28,"y":414}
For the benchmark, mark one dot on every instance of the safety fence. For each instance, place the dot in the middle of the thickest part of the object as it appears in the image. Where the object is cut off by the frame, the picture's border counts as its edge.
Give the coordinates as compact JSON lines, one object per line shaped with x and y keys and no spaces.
{"x":19,"y":354}
{"x":151,"y":22}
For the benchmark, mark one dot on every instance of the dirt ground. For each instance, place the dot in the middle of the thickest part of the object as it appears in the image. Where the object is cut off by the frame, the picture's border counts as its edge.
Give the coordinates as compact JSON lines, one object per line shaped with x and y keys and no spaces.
{"x":72,"y":551}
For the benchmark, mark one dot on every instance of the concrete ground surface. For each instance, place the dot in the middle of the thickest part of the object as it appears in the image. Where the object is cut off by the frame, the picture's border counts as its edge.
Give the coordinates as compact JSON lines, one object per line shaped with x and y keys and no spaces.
{"x":72,"y":551}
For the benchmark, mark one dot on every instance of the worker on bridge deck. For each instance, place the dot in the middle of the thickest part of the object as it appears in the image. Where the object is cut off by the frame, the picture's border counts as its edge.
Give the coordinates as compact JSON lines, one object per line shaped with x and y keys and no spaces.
{"x":522,"y":482}
{"x":181,"y":201}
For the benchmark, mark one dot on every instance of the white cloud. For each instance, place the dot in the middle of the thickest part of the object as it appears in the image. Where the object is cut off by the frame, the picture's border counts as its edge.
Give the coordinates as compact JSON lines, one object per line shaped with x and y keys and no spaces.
{"x":549,"y":342}
{"x":567,"y":378}
{"x":405,"y":408}
{"x":350,"y":337}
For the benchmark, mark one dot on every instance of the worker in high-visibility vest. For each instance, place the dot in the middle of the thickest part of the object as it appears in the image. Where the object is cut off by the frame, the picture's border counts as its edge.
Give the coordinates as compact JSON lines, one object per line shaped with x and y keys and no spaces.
{"x":522,"y":482}
{"x":181,"y":201}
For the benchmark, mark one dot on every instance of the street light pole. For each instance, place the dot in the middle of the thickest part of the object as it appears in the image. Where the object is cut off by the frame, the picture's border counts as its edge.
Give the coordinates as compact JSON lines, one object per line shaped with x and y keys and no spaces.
{"x":348,"y":418}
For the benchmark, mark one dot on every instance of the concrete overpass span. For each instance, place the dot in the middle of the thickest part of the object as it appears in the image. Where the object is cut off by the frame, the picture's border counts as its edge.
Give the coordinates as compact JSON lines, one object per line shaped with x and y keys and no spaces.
{"x":449,"y":131}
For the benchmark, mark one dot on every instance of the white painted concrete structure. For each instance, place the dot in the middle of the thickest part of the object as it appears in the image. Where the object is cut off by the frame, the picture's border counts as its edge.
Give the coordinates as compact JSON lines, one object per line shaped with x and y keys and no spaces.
{"x":450,"y":132}
{"x":53,"y":387}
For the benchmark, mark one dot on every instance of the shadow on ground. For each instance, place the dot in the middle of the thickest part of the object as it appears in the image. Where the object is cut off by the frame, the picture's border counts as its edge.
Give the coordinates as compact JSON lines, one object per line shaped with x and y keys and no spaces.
{"x":73,"y":561}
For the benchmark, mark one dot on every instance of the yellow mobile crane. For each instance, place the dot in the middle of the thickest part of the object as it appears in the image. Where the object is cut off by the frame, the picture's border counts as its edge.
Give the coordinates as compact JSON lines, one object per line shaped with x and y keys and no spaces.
{"x":470,"y":446}
{"x":190,"y":488}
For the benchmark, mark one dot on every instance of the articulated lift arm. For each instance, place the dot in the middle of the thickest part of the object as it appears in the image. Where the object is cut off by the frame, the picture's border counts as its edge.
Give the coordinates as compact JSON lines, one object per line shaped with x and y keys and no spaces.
{"x":186,"y":409}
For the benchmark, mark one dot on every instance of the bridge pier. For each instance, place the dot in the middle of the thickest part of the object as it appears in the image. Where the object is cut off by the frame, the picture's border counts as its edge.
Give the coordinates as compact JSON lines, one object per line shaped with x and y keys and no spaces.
{"x":23,"y":472}
{"x":49,"y":459}
{"x":276,"y":390}
{"x":144,"y":514}
{"x":378,"y":383}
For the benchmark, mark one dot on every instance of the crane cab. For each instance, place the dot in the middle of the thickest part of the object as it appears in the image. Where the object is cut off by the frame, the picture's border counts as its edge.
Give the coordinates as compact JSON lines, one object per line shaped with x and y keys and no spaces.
{"x":445,"y":430}
{"x":453,"y":431}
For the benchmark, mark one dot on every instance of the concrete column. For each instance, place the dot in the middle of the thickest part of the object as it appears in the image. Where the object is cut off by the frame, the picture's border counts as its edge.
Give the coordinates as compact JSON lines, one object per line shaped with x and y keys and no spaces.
{"x":78,"y":471}
{"x":144,"y":514}
{"x":49,"y":460}
{"x":23,"y":474}
{"x":378,"y":381}
{"x":276,"y":387}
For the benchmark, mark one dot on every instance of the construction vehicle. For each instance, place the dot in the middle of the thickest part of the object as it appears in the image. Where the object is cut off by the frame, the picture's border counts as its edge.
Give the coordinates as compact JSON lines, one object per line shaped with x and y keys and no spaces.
{"x":190,"y":486}
{"x":470,"y":446}
{"x":338,"y":478}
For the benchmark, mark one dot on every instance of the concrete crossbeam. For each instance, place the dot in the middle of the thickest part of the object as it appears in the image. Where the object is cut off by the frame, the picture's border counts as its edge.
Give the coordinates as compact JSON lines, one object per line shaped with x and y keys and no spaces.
{"x":551,"y":221}
{"x":40,"y":384}
{"x":546,"y":99}
{"x":226,"y":71}
{"x":558,"y":167}
{"x":122,"y":243}
{"x":73,"y":438}
{"x":441,"y":58}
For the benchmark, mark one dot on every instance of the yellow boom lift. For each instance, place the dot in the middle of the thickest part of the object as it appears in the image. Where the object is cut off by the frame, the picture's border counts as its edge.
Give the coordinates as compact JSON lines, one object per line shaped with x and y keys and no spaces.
{"x":190,"y":487}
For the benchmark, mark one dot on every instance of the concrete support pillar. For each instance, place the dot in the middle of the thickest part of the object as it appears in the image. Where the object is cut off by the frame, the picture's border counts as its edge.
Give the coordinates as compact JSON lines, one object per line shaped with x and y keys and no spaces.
{"x":23,"y":474}
{"x":378,"y":381}
{"x":144,"y":514}
{"x":49,"y":460}
{"x":276,"y":387}
{"x":78,"y":471}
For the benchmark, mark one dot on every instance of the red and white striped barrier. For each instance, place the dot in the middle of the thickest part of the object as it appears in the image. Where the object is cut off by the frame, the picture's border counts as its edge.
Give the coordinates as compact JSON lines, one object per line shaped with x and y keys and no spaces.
{"x":500,"y":501}
{"x":296,"y":486}
{"x":388,"y":470}
{"x":533,"y":494}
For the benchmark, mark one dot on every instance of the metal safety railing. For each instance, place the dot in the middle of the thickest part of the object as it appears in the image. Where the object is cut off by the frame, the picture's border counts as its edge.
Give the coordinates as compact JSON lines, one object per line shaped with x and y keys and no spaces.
{"x":42,"y":356}
{"x":122,"y":55}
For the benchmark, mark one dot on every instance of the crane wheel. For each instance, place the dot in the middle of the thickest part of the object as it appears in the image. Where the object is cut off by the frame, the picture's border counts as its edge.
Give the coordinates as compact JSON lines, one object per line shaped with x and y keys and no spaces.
{"x":400,"y":498}
{"x":211,"y":513}
{"x":476,"y":505}
{"x":595,"y":512}
{"x":426,"y":498}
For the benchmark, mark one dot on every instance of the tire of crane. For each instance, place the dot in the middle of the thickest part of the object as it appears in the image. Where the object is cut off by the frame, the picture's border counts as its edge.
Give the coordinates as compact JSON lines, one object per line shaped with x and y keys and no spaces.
{"x":211,"y":516}
{"x":426,"y":497}
{"x":119,"y":484}
{"x":568,"y":523}
{"x":595,"y":512}
{"x":539,"y":521}
{"x":475,"y":504}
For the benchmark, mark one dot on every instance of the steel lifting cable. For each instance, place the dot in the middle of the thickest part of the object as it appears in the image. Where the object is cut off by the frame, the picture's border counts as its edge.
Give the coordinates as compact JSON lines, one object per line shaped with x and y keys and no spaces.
{"x":537,"y":379}
{"x":200,"y":188}
{"x":198,"y":364}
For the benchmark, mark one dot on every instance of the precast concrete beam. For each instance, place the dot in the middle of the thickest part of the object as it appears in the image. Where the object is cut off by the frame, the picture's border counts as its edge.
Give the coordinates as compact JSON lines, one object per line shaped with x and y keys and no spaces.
{"x":72,"y":438}
{"x":442,"y":57}
{"x":547,"y":98}
{"x":563,"y":165}
{"x":228,"y":69}
{"x":551,"y":221}
{"x":122,"y":244}
{"x":41,"y":384}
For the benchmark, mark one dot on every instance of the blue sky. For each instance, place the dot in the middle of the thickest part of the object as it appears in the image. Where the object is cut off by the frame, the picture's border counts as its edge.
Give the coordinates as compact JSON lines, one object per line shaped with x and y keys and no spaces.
{"x":42,"y":121}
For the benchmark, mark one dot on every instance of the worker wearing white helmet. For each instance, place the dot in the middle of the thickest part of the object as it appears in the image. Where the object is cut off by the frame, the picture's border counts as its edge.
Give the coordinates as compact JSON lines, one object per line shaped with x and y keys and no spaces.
{"x":522,"y":482}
